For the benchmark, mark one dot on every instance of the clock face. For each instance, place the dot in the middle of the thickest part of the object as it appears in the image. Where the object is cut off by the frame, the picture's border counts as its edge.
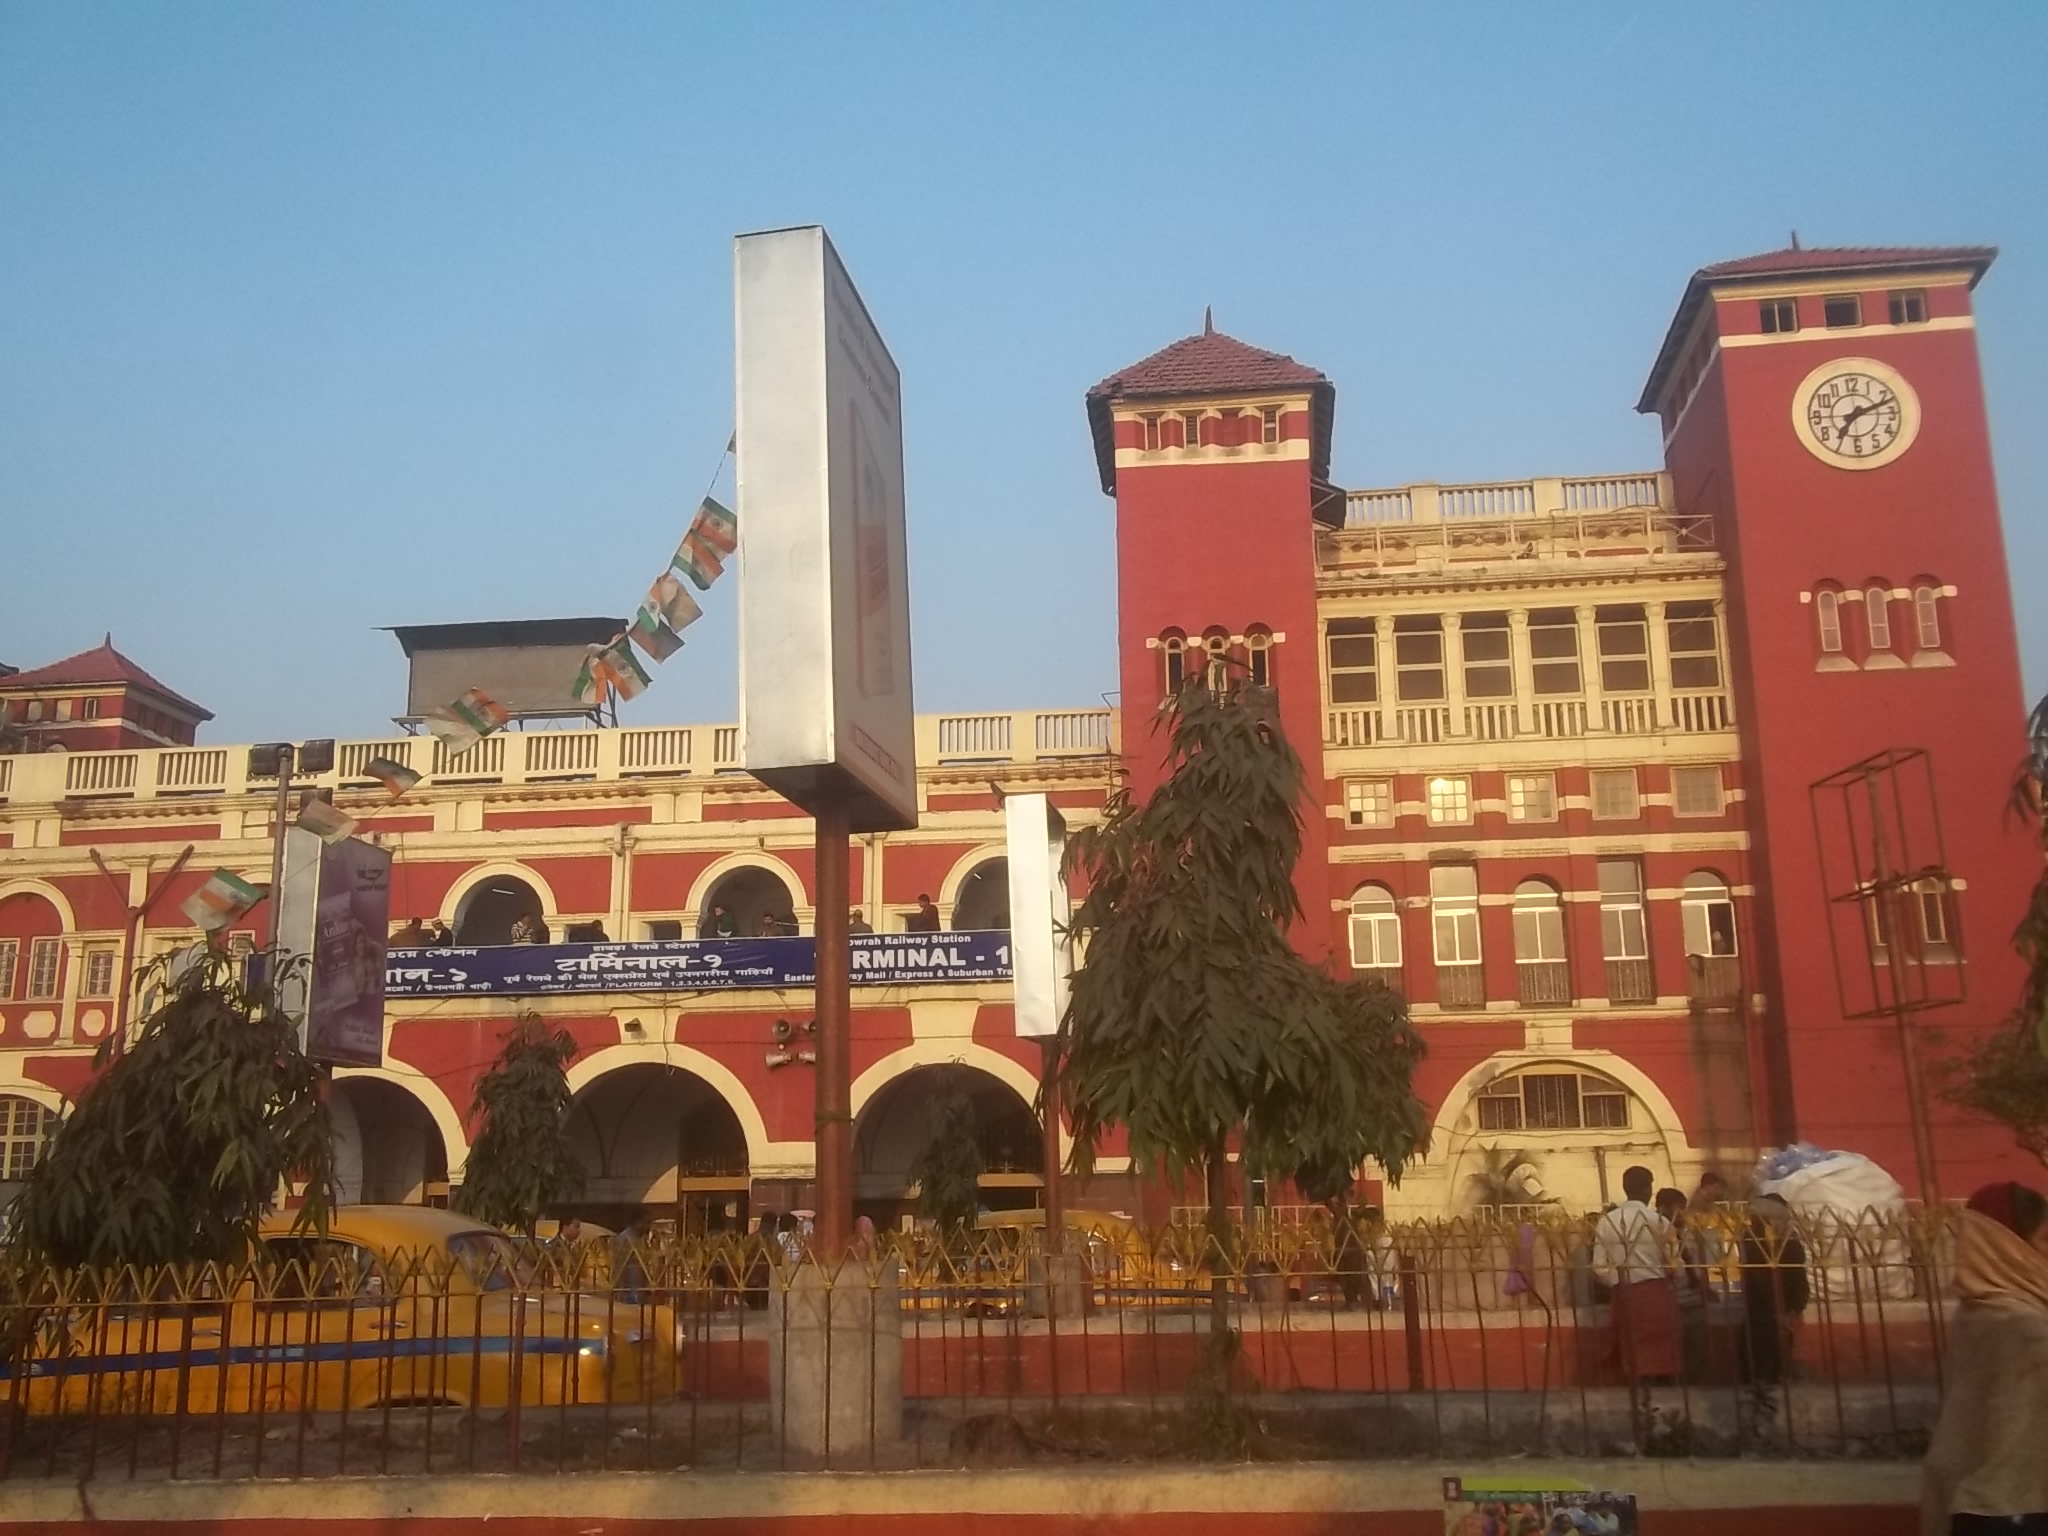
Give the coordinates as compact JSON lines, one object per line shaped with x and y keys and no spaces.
{"x":1855,"y":413}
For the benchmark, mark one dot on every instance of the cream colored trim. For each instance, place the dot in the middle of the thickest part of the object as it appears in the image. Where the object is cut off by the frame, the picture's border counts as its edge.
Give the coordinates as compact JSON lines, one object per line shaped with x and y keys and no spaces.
{"x":1612,"y":845}
{"x":1288,"y":449}
{"x":471,"y":878}
{"x":429,"y":1095}
{"x":720,"y":1078}
{"x":1845,"y":333}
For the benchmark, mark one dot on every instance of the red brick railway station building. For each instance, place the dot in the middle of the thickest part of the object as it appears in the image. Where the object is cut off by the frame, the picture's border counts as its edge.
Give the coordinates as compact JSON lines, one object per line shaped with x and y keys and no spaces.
{"x":1567,"y":731}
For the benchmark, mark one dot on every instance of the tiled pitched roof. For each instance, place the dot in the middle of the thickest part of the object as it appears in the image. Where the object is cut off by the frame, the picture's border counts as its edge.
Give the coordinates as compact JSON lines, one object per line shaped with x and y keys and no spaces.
{"x":1794,"y":261}
{"x":101,"y":664}
{"x":1839,"y":258}
{"x":1210,"y":363}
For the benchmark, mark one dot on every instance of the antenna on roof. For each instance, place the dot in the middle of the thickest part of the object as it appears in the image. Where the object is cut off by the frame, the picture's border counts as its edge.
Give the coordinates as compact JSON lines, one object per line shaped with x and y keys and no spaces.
{"x":1208,"y":320}
{"x":1795,"y":240}
{"x":109,"y":641}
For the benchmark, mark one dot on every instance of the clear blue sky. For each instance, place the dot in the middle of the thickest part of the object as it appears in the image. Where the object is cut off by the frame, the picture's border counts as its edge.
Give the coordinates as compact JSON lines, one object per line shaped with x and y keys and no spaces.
{"x":320,"y":318}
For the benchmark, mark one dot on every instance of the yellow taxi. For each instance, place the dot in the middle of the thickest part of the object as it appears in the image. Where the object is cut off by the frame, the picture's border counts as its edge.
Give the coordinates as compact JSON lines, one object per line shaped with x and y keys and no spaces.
{"x":397,"y":1305}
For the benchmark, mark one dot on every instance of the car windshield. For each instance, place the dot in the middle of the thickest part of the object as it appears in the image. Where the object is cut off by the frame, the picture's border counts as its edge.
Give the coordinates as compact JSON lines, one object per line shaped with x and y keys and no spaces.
{"x":488,"y":1258}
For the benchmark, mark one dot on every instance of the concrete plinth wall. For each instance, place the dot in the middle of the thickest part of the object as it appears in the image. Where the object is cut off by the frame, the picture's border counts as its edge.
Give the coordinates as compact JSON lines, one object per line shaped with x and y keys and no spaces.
{"x":835,"y":1361}
{"x":1402,"y":1499}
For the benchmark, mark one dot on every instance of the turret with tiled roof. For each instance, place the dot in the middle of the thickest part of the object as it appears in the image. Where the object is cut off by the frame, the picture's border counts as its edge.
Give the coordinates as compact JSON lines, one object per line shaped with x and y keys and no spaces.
{"x":1203,"y":367}
{"x":95,"y":700}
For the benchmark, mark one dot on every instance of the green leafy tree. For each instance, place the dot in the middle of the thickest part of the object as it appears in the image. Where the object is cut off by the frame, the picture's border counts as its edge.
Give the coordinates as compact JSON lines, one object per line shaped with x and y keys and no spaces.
{"x":187,"y":1137}
{"x":948,"y":1170}
{"x":521,"y":1162}
{"x":2006,"y":1075}
{"x":1194,"y":1025}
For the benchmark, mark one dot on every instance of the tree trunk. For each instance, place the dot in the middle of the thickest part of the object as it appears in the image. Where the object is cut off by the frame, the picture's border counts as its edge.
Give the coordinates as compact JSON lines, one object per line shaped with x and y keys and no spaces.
{"x":1220,"y":1247}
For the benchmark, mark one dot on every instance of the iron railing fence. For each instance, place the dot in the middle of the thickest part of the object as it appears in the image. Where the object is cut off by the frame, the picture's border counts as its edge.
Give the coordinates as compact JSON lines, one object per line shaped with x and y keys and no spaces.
{"x":1479,"y":1337}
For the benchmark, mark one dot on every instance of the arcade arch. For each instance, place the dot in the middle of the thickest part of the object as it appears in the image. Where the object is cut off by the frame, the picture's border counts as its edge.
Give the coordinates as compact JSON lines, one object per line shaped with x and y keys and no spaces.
{"x":892,"y":1127}
{"x":651,"y":1133}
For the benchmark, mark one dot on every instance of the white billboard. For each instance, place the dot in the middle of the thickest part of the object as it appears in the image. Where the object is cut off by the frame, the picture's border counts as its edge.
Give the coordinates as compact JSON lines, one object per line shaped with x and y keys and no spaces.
{"x":825,"y":698}
{"x":1041,"y":949}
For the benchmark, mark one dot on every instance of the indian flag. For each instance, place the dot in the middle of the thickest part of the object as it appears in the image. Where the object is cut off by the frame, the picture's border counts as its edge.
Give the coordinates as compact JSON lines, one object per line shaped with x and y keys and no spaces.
{"x":678,"y":610}
{"x":717,"y":526}
{"x":698,"y":560}
{"x":620,"y":669}
{"x":588,"y":689}
{"x":653,"y":636}
{"x":224,"y":897}
{"x":325,"y":822}
{"x":467,"y":721}
{"x":396,"y":778}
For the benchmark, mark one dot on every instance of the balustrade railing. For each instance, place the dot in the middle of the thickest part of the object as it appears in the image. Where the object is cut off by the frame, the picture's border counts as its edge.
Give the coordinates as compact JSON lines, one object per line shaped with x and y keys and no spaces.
{"x":517,"y":757}
{"x":1543,"y":983}
{"x":1555,"y":719}
{"x":1461,"y":986}
{"x":1629,"y":981}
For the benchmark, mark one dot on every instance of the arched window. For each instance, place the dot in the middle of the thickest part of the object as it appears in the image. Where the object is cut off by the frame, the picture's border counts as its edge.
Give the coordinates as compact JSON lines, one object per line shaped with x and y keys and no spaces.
{"x":1709,"y":915}
{"x":1927,"y":618}
{"x":1539,"y":922}
{"x":1174,"y":647}
{"x":25,"y":1131}
{"x":1540,"y":970}
{"x":983,"y":900}
{"x":749,"y":902}
{"x":1217,"y":669}
{"x":1375,"y":930}
{"x":1258,"y":653}
{"x":1553,"y":1101}
{"x":1877,"y":613}
{"x":502,"y":910}
{"x":1827,"y":606}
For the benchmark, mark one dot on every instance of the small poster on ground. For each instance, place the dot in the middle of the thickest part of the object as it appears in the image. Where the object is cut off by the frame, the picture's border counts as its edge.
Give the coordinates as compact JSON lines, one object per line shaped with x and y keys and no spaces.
{"x":1475,"y":1506}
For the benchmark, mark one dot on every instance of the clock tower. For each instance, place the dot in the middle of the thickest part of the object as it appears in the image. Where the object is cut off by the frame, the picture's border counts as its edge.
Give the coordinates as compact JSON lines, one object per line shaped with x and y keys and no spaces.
{"x":1823,"y":410}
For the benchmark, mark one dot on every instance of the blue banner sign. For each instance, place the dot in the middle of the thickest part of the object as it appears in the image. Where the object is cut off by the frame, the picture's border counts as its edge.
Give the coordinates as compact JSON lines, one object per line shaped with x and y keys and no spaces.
{"x":692,"y":965}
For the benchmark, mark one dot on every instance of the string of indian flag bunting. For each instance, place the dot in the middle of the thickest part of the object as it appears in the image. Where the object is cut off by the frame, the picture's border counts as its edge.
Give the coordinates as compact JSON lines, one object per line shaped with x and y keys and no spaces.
{"x":610,"y":670}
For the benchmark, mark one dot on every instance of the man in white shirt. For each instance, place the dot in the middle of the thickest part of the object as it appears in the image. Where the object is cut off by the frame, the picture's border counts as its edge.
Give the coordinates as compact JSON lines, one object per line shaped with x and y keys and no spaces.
{"x":1632,"y":1254}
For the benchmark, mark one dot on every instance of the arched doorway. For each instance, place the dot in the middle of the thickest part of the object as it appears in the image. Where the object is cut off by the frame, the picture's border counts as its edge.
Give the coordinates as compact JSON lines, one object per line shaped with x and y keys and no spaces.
{"x":387,"y":1149}
{"x":488,"y":910}
{"x":655,"y":1135}
{"x":894,"y":1126}
{"x":755,"y":900}
{"x":983,"y":900}
{"x":1553,"y":1133}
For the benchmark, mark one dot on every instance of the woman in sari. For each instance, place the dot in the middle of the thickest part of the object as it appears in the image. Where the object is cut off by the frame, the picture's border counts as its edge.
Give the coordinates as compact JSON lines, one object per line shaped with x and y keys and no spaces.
{"x":1986,"y":1470}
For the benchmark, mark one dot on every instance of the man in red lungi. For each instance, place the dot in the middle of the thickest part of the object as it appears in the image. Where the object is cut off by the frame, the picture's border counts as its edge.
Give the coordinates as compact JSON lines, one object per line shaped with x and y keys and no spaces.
{"x":1632,"y":1253}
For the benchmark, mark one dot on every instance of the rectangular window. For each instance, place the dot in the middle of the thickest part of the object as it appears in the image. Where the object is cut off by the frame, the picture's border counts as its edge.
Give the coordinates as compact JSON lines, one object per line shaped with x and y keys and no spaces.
{"x":1369,"y":802}
{"x":64,"y":709}
{"x":1454,"y":913}
{"x":1624,"y":934}
{"x":1839,"y":311}
{"x":1191,"y":430}
{"x":1269,"y":423}
{"x":42,"y":967}
{"x":1550,"y":1101}
{"x":1908,"y":306}
{"x":1152,"y":439}
{"x":1489,"y":674}
{"x":1603,"y":1107}
{"x":89,"y":709}
{"x":1624,"y":637}
{"x":1695,"y":640}
{"x":1614,"y":795}
{"x":1778,"y":316}
{"x":1554,"y":647}
{"x":1500,"y":1107}
{"x":1419,"y":658}
{"x":1696,"y":791}
{"x":1450,"y":800}
{"x":10,"y":959}
{"x":1532,"y":797}
{"x":1352,"y":649}
{"x":25,"y":1130}
{"x":99,"y":974}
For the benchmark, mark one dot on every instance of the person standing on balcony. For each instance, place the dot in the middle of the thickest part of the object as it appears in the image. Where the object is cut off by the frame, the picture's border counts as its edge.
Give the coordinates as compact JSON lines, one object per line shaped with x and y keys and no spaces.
{"x":529,"y":929}
{"x":722,"y":925}
{"x":1632,"y":1257}
{"x":1985,"y":1470}
{"x":857,"y":922}
{"x":926,"y":918}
